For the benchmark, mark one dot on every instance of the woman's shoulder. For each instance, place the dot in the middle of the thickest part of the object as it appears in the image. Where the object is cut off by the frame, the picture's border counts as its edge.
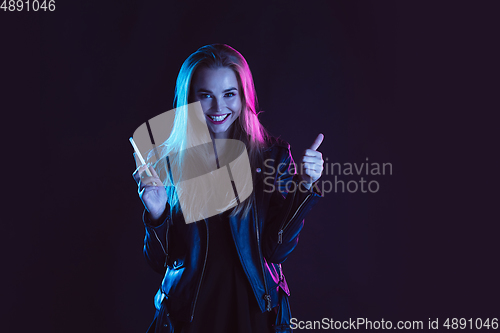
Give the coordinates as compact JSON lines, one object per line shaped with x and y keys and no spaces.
{"x":277,"y":149}
{"x":274,"y":143}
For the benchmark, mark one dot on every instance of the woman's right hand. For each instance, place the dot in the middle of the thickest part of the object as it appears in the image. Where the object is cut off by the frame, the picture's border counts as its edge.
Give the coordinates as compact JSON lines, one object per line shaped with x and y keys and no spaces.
{"x":151,"y":191}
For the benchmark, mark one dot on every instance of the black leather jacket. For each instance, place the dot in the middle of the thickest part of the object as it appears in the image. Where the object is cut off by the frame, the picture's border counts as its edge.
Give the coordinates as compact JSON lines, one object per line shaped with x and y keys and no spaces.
{"x":264,"y":239}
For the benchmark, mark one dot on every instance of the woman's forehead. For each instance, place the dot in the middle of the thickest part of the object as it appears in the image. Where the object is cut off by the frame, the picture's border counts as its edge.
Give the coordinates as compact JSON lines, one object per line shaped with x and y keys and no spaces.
{"x":221,"y":78}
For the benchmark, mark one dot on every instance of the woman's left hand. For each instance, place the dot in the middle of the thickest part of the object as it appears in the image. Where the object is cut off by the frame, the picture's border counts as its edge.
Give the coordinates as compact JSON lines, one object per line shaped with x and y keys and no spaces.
{"x":312,"y":163}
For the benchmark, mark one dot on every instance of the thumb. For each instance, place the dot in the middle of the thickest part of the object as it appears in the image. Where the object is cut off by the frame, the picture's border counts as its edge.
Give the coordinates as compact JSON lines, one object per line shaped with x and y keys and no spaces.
{"x":317,"y":142}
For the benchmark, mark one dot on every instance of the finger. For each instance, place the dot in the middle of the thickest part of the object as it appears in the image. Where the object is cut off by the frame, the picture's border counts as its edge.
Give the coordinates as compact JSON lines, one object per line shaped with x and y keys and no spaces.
{"x":318,"y":141}
{"x":137,"y":173}
{"x":149,"y":188}
{"x":156,"y":182}
{"x":312,"y":167}
{"x":146,"y":189}
{"x":150,"y":181}
{"x":153,"y":172}
{"x":312,"y":159}
{"x":310,"y":152}
{"x":156,"y":179}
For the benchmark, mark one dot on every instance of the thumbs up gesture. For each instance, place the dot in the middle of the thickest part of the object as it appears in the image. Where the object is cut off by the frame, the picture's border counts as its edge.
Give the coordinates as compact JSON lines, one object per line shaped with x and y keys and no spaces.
{"x":312,"y":163}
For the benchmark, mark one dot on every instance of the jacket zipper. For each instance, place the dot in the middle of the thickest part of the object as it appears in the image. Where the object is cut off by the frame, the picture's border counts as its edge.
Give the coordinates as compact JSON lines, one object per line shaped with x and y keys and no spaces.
{"x":282,"y":228}
{"x":166,"y":244}
{"x":202,"y":272}
{"x":267,"y":297}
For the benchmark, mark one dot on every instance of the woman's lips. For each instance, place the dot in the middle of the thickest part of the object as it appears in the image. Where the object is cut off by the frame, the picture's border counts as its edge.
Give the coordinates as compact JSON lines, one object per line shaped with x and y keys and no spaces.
{"x":217,"y":122}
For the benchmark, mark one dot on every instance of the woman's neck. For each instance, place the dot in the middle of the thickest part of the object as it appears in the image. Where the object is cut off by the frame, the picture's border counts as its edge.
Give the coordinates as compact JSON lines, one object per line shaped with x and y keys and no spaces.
{"x":228,"y":134}
{"x":219,"y":148}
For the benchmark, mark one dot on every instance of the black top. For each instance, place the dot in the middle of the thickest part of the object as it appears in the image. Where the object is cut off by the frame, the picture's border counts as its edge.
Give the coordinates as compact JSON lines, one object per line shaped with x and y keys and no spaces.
{"x":226,"y":302}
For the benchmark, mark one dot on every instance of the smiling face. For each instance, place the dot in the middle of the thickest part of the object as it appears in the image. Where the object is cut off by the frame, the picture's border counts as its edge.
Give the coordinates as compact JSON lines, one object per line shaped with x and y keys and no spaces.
{"x":218,"y":92}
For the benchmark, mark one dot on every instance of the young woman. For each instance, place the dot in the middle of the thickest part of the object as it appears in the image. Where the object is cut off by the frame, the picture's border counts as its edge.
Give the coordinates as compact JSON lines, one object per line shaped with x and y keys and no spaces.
{"x":223,"y":273}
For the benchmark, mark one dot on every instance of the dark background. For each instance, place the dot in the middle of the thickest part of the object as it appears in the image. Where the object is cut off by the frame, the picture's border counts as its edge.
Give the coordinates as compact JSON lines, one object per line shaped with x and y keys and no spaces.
{"x":411,"y":84}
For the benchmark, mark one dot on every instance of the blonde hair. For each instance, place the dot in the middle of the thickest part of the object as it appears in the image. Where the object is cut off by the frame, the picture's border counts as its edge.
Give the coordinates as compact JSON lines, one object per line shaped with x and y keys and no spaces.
{"x":247,"y":128}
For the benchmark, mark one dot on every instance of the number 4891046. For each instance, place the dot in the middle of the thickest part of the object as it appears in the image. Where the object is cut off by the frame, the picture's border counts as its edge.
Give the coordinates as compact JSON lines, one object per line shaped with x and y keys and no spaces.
{"x":33,"y":5}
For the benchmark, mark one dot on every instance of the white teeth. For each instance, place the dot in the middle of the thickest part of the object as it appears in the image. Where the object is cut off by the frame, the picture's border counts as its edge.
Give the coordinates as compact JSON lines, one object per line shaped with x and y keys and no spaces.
{"x":218,"y":118}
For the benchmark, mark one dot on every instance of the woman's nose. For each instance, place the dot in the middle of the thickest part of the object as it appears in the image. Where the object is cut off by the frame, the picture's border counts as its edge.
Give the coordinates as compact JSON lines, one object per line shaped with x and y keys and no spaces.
{"x":219,"y":104}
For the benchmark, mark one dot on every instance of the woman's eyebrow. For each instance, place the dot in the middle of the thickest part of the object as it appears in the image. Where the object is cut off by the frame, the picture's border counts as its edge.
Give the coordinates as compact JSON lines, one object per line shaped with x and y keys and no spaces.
{"x":204,"y":90}
{"x":208,"y":91}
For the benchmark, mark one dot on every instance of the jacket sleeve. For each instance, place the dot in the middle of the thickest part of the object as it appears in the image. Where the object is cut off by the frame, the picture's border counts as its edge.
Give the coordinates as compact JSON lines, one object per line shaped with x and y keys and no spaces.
{"x":290,"y":203}
{"x":155,"y":243}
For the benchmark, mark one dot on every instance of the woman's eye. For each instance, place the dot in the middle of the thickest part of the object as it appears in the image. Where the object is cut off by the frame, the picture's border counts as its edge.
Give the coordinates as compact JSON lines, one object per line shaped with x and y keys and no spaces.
{"x":206,"y":95}
{"x":230,"y":94}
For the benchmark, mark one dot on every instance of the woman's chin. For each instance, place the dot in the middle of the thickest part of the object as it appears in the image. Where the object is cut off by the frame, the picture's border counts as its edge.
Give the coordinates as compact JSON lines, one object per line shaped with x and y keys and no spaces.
{"x":219,"y":130}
